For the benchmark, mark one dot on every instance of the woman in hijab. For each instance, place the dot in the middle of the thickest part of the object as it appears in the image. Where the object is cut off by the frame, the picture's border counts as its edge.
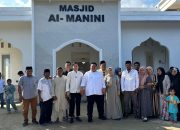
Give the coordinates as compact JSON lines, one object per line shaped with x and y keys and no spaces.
{"x":145,"y":93}
{"x":175,"y":83}
{"x":163,"y":85}
{"x":113,"y":103}
{"x":151,"y":81}
{"x":118,"y":73}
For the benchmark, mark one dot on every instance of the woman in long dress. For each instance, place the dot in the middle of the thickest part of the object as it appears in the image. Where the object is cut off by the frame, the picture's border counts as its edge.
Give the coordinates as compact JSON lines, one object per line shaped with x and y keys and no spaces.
{"x":152,"y":82}
{"x":113,"y":103}
{"x":163,"y":85}
{"x":145,"y":93}
{"x":118,"y":73}
{"x":175,"y":83}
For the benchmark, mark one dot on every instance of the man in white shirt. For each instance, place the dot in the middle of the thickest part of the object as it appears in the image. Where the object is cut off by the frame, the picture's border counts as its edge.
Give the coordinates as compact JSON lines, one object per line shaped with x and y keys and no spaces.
{"x":129,"y":85}
{"x":2,"y":85}
{"x":45,"y":97}
{"x":103,"y":68}
{"x":73,"y":83}
{"x":94,"y":86}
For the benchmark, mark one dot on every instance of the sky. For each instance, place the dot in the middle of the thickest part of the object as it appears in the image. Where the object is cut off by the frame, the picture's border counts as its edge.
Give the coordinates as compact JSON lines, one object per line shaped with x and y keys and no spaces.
{"x":124,"y":3}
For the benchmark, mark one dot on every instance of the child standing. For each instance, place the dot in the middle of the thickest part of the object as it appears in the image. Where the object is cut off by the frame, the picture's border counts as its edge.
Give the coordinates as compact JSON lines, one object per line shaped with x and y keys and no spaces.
{"x":164,"y":112}
{"x":9,"y":92}
{"x":173,"y":101}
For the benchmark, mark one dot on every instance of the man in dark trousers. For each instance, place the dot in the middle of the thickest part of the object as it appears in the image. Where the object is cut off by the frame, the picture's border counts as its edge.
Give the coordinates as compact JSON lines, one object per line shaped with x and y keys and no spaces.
{"x":45,"y":97}
{"x":94,"y":86}
{"x":73,"y":83}
{"x":129,"y":85}
{"x":67,"y":70}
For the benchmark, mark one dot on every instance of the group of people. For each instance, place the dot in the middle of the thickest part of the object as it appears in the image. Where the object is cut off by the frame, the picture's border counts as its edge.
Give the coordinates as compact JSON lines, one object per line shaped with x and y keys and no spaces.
{"x":152,"y":95}
{"x":158,"y":95}
{"x":117,"y":93}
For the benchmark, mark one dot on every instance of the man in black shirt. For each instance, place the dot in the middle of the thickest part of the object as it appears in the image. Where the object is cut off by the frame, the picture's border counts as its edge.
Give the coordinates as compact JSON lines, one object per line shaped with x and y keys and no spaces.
{"x":67,"y":70}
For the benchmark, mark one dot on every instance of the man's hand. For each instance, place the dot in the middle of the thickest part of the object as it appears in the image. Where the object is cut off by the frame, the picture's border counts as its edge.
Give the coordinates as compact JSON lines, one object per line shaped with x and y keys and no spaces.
{"x":103,"y":90}
{"x":118,"y":93}
{"x":141,"y":87}
{"x":68,"y":94}
{"x":136,"y":90}
{"x":82,"y":91}
{"x":21,"y":98}
{"x":161,"y":95}
{"x":40,"y":99}
{"x":54,"y":98}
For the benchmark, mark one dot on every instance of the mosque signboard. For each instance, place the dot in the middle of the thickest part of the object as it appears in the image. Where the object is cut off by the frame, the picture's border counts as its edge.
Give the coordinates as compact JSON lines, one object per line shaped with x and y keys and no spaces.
{"x":77,"y":13}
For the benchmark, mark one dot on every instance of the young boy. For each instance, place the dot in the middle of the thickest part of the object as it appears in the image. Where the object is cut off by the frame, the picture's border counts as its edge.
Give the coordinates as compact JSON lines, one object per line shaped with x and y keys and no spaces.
{"x":173,"y":101}
{"x":9,"y":92}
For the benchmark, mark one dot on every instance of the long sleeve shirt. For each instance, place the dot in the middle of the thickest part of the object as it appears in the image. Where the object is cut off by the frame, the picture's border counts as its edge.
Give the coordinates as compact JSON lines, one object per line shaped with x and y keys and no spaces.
{"x":93,"y":82}
{"x":129,"y":80}
{"x":9,"y":91}
{"x":73,"y":83}
{"x":2,"y":84}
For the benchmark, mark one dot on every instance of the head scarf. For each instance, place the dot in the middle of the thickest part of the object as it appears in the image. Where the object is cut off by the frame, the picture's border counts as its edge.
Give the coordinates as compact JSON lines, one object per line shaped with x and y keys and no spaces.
{"x":160,"y":79}
{"x":142,"y":77}
{"x":117,"y":70}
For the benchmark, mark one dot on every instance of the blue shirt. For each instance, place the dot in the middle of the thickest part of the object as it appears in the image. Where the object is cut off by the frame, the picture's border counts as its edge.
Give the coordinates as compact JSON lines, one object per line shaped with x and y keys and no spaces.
{"x":2,"y":83}
{"x":29,"y":86}
{"x":9,"y":91}
{"x":172,"y":105}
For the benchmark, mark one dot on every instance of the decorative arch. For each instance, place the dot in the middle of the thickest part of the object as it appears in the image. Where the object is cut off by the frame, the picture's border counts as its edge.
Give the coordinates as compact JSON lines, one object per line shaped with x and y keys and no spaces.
{"x":71,"y":42}
{"x":15,"y":57}
{"x":148,"y":45}
{"x":150,"y":41}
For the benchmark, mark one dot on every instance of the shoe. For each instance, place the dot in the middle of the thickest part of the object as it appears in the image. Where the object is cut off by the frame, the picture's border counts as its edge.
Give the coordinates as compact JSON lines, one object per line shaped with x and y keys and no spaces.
{"x":102,"y":118}
{"x":71,"y":120}
{"x":35,"y":122}
{"x":65,"y":119}
{"x":90,"y":120}
{"x":25,"y":124}
{"x":78,"y":119}
{"x":50,"y":122}
{"x":8,"y":112}
{"x":145,"y":119}
{"x":117,"y":119}
{"x":125,"y":115}
{"x":56,"y":121}
{"x":16,"y":110}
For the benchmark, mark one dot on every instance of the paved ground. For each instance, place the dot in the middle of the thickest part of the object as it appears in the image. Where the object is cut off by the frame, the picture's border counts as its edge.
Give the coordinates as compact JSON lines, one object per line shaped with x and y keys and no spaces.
{"x":13,"y":121}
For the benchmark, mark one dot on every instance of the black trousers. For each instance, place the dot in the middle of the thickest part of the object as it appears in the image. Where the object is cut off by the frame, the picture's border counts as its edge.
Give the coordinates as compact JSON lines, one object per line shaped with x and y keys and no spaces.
{"x":45,"y":111}
{"x":130,"y":97}
{"x":99,"y":99}
{"x":2,"y":99}
{"x":178,"y":114}
{"x":75,"y":99}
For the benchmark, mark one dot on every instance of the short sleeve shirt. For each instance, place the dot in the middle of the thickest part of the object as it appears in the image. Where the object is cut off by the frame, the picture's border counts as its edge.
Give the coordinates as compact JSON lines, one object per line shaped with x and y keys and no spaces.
{"x":29,"y":86}
{"x":172,"y":107}
{"x":45,"y":86}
